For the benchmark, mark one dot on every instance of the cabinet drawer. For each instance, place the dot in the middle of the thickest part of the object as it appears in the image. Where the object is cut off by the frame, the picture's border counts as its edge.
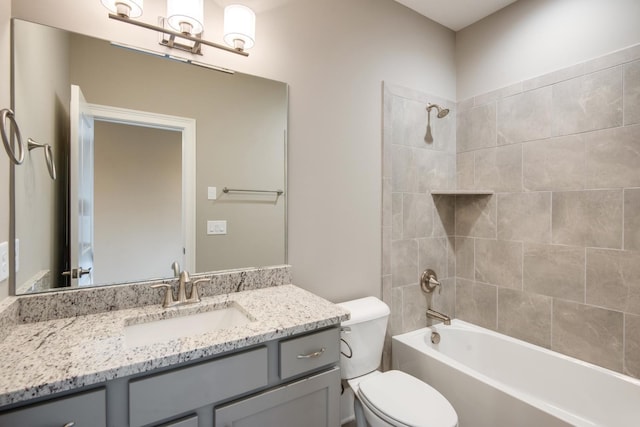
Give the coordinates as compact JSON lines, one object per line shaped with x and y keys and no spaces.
{"x":185,"y":389}
{"x":186,"y":422}
{"x":311,"y":402}
{"x":309,"y":352}
{"x":83,"y":409}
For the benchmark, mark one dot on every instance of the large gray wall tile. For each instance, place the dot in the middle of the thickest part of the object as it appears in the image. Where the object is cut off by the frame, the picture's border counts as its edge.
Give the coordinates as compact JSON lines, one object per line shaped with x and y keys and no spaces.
{"x":498,"y":94}
{"x":587,"y":218}
{"x":554,"y":270}
{"x":409,"y":122}
{"x":465,"y":170}
{"x":434,"y":169}
{"x":499,"y":262}
{"x":589,"y":102}
{"x":632,"y":93}
{"x":404,"y":171}
{"x":476,"y":303}
{"x":613,"y":279}
{"x":414,"y":308}
{"x":397,"y":216}
{"x":386,"y":202}
{"x":612,"y":157}
{"x":433,"y":254}
{"x":525,"y":217}
{"x":395,"y":318}
{"x":499,"y":168}
{"x":554,"y":77}
{"x":525,"y":117}
{"x":632,"y":345}
{"x":613,"y":59}
{"x":443,"y":219}
{"x":525,"y":316}
{"x":386,"y":251}
{"x":465,"y":258}
{"x":476,"y":216}
{"x":404,"y":262}
{"x":589,"y":333}
{"x":632,"y":219}
{"x":554,"y":164}
{"x":476,"y":128}
{"x":417,"y":215}
{"x":443,"y":131}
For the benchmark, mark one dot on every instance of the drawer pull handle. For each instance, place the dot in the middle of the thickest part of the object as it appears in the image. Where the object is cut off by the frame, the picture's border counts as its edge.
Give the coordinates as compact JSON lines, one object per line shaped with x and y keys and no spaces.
{"x":312,"y":355}
{"x":69,"y":424}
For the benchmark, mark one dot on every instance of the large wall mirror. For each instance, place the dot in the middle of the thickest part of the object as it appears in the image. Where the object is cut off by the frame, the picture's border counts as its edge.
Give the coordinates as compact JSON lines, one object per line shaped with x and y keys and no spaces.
{"x":143,"y":147}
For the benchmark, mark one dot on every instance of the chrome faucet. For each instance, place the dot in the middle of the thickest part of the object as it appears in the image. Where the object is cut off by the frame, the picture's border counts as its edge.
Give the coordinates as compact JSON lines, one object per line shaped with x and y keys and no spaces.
{"x":429,"y":282}
{"x":183,"y":279}
{"x":436,"y":315}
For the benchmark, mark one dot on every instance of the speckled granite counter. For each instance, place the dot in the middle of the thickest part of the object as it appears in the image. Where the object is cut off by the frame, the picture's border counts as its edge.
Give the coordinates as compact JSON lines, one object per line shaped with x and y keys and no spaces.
{"x":46,"y":357}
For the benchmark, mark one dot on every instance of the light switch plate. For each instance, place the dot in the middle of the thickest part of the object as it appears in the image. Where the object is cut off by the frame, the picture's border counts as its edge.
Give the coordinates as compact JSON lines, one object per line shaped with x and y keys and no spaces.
{"x":212,"y":193}
{"x":4,"y":261}
{"x":216,"y":227}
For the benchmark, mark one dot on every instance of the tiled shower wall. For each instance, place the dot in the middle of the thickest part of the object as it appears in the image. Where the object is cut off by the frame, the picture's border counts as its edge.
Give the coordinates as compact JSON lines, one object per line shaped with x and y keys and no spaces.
{"x":553,"y":257}
{"x":417,"y":227}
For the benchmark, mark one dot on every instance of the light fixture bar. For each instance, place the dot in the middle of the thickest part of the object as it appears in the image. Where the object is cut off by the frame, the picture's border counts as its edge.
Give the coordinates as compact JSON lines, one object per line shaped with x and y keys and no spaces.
{"x":197,"y":41}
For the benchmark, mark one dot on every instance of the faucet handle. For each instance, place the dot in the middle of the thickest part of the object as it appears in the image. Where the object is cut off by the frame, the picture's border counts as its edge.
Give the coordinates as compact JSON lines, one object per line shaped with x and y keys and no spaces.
{"x":168,"y":294}
{"x":429,"y":281}
{"x":195,"y":295}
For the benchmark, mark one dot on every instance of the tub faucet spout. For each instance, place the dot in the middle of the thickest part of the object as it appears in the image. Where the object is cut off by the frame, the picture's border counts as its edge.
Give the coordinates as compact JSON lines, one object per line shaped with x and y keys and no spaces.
{"x":436,"y":315}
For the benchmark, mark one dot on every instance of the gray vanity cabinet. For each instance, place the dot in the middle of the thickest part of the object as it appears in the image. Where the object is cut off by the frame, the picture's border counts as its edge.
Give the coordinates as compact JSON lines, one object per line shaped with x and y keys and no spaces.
{"x":80,"y":409}
{"x":157,"y":397}
{"x":310,"y":402}
{"x":281,"y":383}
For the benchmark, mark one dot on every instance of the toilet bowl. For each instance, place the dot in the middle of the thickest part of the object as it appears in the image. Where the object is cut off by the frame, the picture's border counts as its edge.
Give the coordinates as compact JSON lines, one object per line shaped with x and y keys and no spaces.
{"x":391,"y":398}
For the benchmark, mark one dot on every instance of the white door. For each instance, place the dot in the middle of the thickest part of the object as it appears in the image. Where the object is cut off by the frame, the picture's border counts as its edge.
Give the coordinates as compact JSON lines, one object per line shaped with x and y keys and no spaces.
{"x":81,"y":191}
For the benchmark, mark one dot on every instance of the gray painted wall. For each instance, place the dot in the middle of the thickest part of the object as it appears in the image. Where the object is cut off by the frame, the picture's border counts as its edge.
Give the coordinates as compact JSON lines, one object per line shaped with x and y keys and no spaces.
{"x":138,"y":202}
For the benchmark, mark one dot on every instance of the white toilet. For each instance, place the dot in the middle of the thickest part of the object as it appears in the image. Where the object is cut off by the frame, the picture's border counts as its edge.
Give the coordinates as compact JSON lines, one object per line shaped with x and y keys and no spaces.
{"x":391,"y":398}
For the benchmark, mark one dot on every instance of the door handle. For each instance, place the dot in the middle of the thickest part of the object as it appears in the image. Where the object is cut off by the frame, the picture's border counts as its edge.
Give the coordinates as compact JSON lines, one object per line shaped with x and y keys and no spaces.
{"x":76,"y":272}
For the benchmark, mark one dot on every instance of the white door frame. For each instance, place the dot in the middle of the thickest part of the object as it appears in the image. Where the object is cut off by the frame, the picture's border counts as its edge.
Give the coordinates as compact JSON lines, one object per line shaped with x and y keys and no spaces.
{"x":187,"y":127}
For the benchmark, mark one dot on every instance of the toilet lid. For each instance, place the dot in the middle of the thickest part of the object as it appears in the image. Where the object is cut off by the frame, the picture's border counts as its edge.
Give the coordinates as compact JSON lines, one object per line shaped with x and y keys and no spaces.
{"x":407,"y":400}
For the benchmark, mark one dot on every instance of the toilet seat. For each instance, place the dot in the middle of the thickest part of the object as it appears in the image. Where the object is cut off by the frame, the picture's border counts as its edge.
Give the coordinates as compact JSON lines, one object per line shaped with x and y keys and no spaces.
{"x":403,"y":400}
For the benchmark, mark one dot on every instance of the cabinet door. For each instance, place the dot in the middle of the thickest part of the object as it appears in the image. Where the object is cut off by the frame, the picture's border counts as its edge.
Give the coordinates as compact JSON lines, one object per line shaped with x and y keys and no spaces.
{"x":79,"y":410}
{"x":310,"y":402}
{"x":186,"y":422}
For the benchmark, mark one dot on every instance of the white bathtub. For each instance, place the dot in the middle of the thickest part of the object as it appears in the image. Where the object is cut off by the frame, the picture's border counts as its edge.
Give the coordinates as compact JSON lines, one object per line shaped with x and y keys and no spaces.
{"x":493,"y":380}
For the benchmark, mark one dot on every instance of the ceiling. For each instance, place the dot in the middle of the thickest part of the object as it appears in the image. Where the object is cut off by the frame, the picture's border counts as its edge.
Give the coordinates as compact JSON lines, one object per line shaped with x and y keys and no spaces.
{"x":456,"y":14}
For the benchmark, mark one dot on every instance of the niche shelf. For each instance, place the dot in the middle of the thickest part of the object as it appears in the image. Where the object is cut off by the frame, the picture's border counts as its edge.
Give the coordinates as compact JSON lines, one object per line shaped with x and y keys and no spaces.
{"x":462,"y":192}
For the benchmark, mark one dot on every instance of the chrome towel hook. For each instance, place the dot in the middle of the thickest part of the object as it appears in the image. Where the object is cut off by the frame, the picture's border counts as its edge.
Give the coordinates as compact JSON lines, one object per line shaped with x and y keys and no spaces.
{"x":5,"y":114}
{"x":48,"y":155}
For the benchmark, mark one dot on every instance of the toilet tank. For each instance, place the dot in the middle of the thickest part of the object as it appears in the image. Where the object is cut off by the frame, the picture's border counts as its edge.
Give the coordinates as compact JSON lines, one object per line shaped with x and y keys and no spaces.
{"x":362,"y":336}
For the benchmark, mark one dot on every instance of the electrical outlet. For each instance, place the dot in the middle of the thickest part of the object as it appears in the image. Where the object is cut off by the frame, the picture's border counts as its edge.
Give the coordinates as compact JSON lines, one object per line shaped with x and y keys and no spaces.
{"x":4,"y":261}
{"x":216,"y":227}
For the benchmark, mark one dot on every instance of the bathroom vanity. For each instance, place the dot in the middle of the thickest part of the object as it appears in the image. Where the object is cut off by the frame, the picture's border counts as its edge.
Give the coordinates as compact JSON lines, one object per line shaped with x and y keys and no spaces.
{"x":280,"y":367}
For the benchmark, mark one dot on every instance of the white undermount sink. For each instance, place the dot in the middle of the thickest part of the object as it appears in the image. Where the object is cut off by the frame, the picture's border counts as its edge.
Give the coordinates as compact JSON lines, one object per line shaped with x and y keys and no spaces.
{"x":186,"y":325}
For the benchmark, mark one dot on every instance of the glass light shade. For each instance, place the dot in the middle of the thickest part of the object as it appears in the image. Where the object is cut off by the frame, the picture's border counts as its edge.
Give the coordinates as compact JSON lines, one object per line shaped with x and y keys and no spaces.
{"x":239,"y":26}
{"x":129,"y":8}
{"x":186,"y":16}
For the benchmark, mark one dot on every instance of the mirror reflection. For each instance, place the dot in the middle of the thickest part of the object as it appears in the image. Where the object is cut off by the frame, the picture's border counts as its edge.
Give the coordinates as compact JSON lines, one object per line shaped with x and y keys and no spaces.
{"x":167,"y":137}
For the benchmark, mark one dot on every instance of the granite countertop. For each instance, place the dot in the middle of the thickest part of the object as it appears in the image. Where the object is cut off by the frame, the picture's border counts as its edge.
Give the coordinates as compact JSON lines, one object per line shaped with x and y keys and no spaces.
{"x":41,"y":358}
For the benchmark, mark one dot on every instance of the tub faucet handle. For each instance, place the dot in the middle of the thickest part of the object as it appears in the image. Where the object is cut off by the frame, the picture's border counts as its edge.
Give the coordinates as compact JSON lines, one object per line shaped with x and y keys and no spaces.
{"x":429,"y":281}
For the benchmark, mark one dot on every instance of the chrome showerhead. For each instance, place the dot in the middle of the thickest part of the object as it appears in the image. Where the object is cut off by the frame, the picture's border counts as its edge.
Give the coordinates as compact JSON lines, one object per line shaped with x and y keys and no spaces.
{"x":442,"y":112}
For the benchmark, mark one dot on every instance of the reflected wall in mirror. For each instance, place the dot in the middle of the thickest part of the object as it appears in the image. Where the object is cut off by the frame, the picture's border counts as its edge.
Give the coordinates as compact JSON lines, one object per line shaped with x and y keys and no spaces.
{"x":240,"y":142}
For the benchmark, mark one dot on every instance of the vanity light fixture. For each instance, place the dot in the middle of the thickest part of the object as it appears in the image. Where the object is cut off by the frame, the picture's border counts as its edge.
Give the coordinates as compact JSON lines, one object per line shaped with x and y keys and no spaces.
{"x":186,"y":16}
{"x":239,"y":26}
{"x":128,"y":8}
{"x":183,"y":27}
